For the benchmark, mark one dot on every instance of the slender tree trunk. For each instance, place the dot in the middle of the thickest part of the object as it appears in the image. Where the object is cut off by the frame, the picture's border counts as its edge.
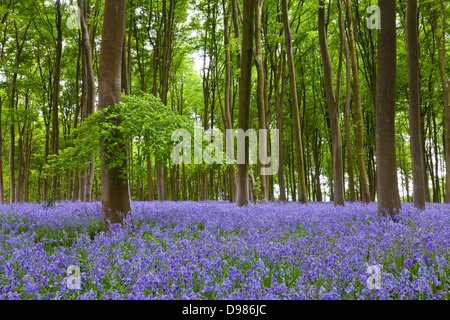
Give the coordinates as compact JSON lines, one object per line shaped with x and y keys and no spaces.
{"x":425,"y":174}
{"x":295,"y":107}
{"x":279,"y":102}
{"x":357,"y":113}
{"x":261,"y":96}
{"x":228,"y":111}
{"x":440,"y":41}
{"x":338,"y":172}
{"x":348,"y":143}
{"x":55,"y":93}
{"x":151,"y":192}
{"x":2,"y":186}
{"x":237,"y":36}
{"x":88,"y":94}
{"x":76,"y":185}
{"x":417,"y":164}
{"x":387,"y":183}
{"x":405,"y":170}
{"x":437,"y":193}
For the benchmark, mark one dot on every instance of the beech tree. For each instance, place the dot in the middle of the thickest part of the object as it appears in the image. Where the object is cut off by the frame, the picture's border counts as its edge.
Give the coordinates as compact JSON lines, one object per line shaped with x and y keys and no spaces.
{"x":338,"y":169}
{"x":115,"y":192}
{"x":414,"y":104}
{"x":387,"y":183}
{"x":245,"y":86}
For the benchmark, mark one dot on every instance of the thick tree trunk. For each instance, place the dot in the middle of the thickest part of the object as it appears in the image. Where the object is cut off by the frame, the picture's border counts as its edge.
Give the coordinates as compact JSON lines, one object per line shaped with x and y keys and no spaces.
{"x":245,"y":87}
{"x":417,"y":164}
{"x":295,"y":107}
{"x":387,"y":183}
{"x":115,"y":194}
{"x":338,"y":169}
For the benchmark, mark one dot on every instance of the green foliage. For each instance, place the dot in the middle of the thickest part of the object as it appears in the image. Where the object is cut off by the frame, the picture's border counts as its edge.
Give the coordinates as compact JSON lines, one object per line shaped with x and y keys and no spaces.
{"x":141,"y":119}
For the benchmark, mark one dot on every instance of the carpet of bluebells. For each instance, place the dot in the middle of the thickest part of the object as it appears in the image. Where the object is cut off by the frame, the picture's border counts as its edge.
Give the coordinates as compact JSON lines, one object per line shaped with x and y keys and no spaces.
{"x":213,"y":250}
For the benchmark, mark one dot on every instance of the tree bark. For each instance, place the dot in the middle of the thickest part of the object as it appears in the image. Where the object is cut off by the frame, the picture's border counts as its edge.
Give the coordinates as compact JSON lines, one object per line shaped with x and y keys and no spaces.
{"x":279,"y":102}
{"x":338,"y":169}
{"x":245,"y":87}
{"x":348,"y":143}
{"x":88,"y":94}
{"x":2,"y":186}
{"x":357,"y":113}
{"x":55,"y":93}
{"x":261,"y":96}
{"x":387,"y":183}
{"x":228,"y":111}
{"x":440,"y":41}
{"x":417,"y":164}
{"x":115,"y":194}
{"x":295,"y":107}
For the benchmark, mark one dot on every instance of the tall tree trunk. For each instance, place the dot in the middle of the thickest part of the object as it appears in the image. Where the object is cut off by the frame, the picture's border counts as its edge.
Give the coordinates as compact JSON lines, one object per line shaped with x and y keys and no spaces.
{"x":348,"y":143}
{"x":228,"y":111}
{"x":115,"y":194}
{"x":417,"y":164}
{"x":440,"y":41}
{"x":88,"y":94}
{"x":357,"y":113}
{"x":338,"y":169}
{"x":279,"y":102}
{"x":261,"y":97}
{"x":167,"y":17}
{"x":387,"y":183}
{"x":295,"y":107}
{"x":245,"y":87}
{"x":55,"y":93}
{"x":2,"y":186}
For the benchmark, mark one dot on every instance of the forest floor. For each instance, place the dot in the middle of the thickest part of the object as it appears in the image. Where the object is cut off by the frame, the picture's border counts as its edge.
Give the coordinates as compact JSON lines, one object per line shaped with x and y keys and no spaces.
{"x":214,"y":250}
